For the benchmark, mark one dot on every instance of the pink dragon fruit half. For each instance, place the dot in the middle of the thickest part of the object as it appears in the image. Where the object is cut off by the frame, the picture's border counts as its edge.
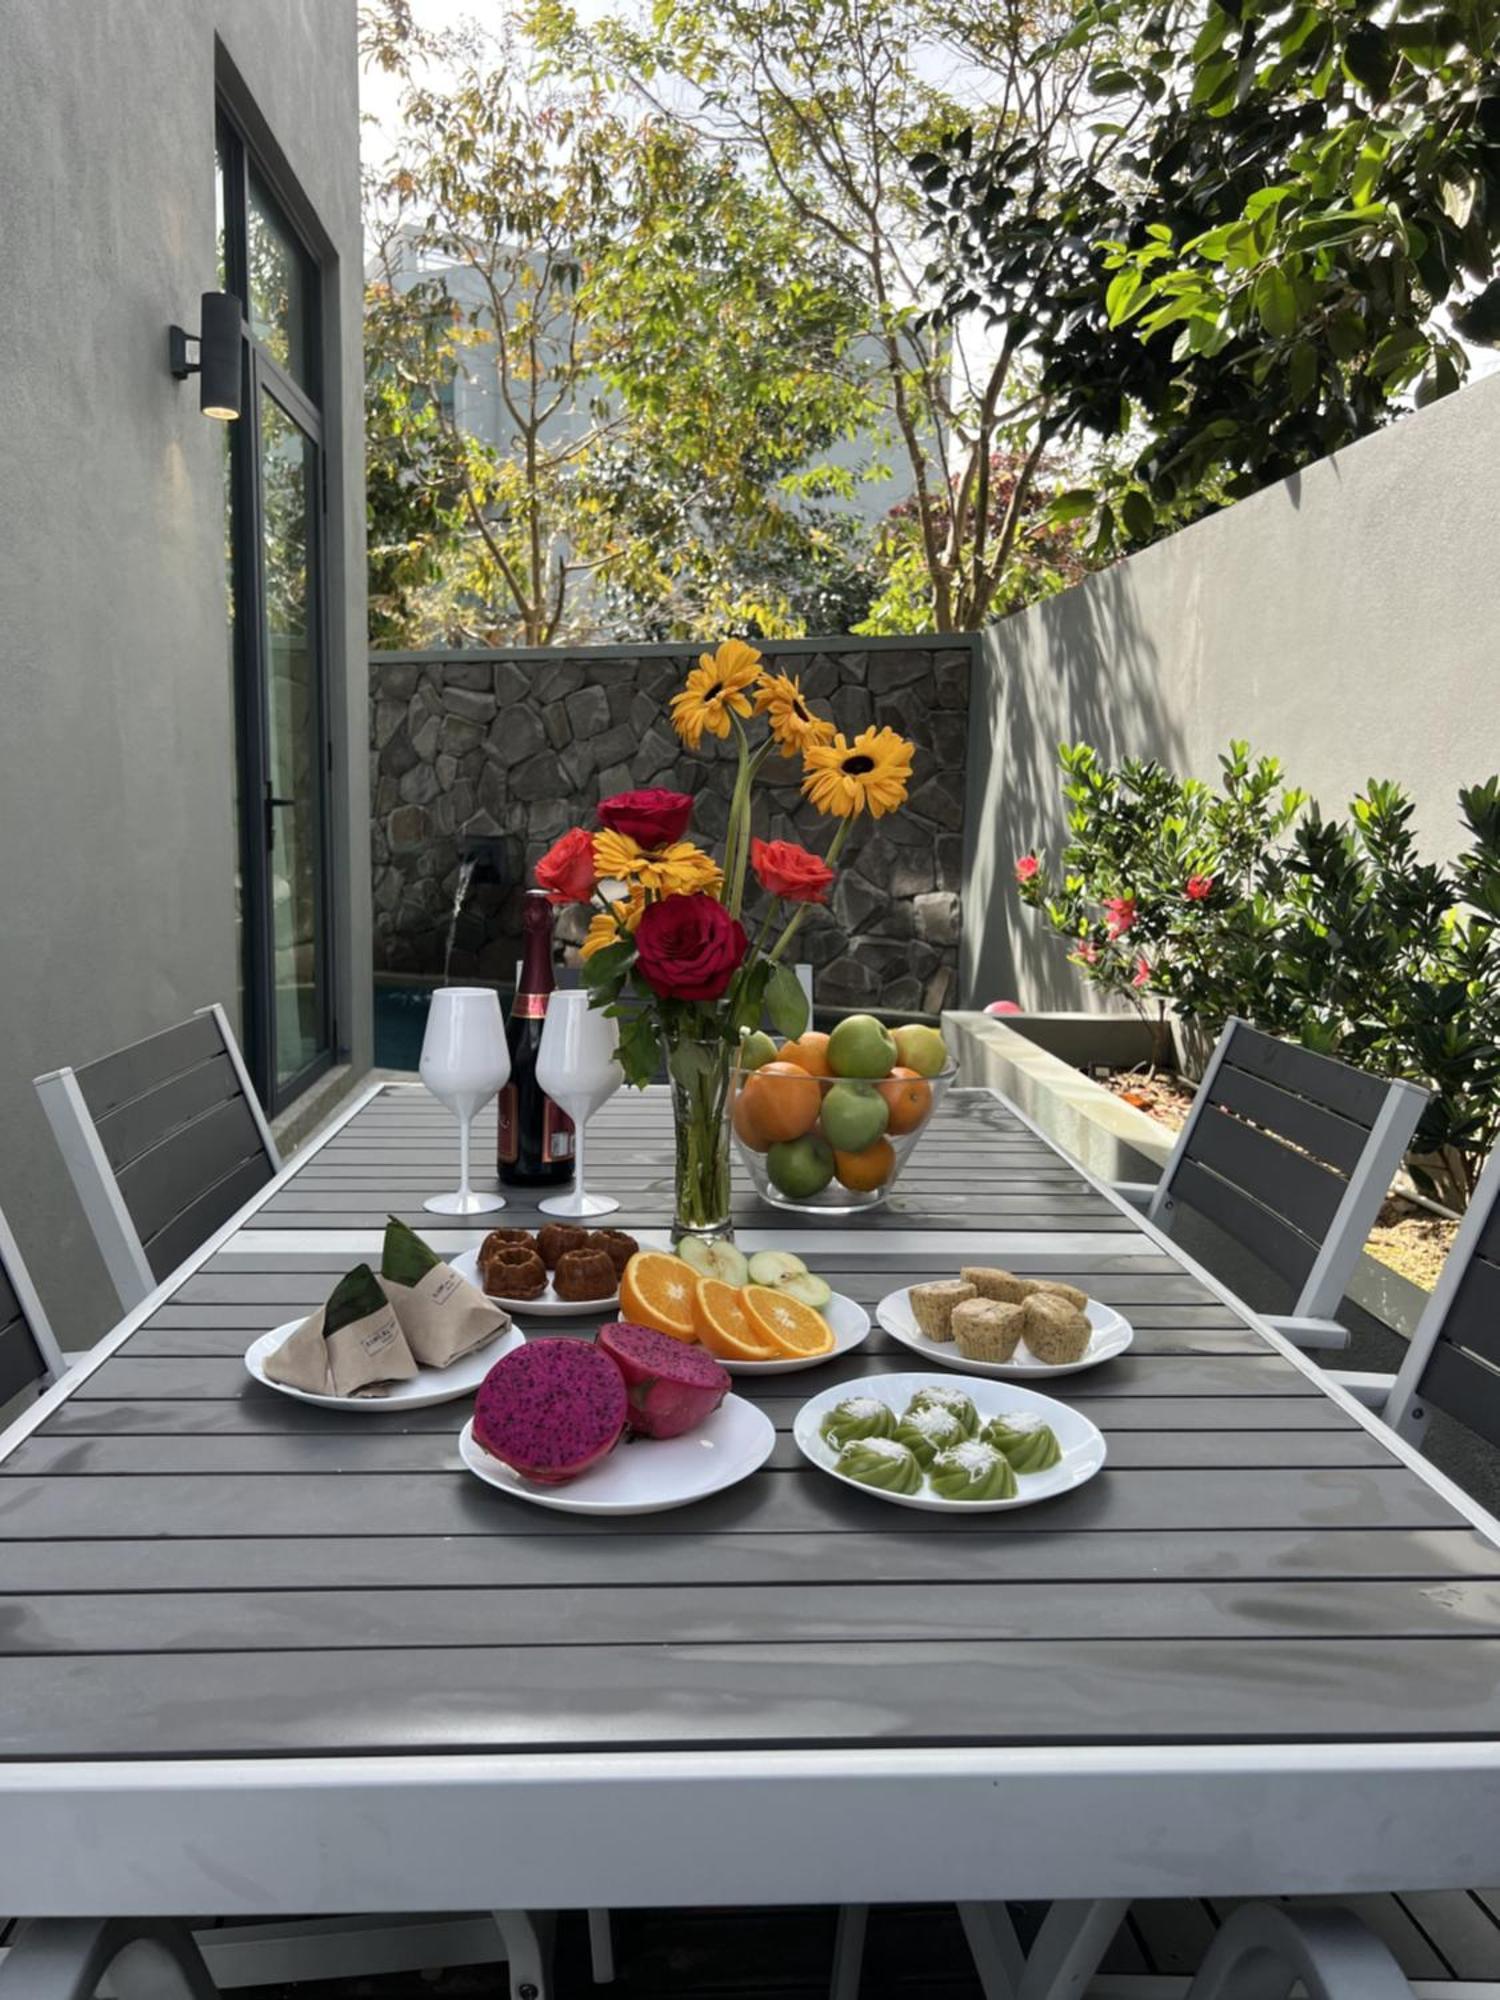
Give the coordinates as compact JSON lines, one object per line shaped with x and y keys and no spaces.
{"x":672,"y":1386}
{"x":551,"y":1409}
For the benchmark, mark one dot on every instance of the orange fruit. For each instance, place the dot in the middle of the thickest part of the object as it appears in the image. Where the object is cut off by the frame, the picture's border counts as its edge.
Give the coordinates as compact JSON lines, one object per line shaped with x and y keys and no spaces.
{"x":871,"y":1167}
{"x":742,"y":1115}
{"x":658,"y":1290}
{"x":781,"y":1102}
{"x":910,"y":1100}
{"x":789,"y":1325}
{"x":719,"y":1315}
{"x":809,"y":1052}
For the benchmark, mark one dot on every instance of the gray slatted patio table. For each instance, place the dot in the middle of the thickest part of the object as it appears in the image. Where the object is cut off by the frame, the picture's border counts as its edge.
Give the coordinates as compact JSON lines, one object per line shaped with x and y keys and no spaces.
{"x":265,"y":1659}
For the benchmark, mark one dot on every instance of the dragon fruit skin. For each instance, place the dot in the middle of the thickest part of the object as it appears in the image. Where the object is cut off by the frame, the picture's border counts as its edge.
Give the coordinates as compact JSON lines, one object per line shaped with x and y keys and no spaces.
{"x":672,"y":1387}
{"x":551,"y":1409}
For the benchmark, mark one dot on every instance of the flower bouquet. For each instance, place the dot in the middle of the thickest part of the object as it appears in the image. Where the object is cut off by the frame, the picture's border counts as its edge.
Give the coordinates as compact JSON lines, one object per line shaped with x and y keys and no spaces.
{"x":672,"y":950}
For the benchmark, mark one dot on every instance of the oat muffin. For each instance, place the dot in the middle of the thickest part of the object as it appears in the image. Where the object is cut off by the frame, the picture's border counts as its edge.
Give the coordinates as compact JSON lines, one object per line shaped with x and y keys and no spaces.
{"x":1054,"y":1286}
{"x":992,"y":1283}
{"x":932,"y":1305}
{"x":1054,"y":1331}
{"x":987,"y":1329}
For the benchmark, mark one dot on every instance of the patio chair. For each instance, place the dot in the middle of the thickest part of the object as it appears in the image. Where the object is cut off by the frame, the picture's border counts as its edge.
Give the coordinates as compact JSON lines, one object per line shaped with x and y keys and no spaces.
{"x":29,"y":1354}
{"x":164,"y":1141}
{"x":1290,"y":1154}
{"x":1452,"y":1360}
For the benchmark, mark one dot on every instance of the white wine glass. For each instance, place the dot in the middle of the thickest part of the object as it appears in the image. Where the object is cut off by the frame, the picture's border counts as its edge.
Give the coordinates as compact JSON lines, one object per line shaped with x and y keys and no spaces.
{"x":577,"y":1066}
{"x":465,"y":1060}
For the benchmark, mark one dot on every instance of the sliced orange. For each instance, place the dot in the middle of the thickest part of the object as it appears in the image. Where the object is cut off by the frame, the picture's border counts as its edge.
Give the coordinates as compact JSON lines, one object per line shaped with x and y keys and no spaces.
{"x":789,"y":1325}
{"x":657,"y":1290}
{"x":723,"y":1328}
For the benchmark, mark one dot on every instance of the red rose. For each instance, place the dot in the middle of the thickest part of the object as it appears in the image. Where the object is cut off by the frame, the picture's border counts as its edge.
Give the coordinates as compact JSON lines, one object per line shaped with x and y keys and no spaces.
{"x":1027,"y":867}
{"x":566,"y":871}
{"x":652,"y":818}
{"x":784,"y":869}
{"x":689,"y":947}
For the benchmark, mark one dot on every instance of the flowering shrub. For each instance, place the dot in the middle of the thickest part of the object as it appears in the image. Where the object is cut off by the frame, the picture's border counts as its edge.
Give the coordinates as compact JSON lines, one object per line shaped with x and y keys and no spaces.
{"x":1334,"y":934}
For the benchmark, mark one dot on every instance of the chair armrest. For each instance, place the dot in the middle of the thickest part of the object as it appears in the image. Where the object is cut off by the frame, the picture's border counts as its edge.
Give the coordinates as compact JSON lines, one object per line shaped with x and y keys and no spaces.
{"x":1137,"y":1193}
{"x":1371,"y":1390}
{"x":1310,"y":1332}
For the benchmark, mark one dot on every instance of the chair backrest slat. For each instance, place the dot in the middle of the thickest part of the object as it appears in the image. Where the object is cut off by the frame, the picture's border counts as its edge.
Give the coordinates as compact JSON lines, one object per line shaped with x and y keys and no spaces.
{"x":164,"y":1141}
{"x":1265,"y":1235}
{"x":1453,"y":1359}
{"x":1291,"y":1154}
{"x":118,"y":1079}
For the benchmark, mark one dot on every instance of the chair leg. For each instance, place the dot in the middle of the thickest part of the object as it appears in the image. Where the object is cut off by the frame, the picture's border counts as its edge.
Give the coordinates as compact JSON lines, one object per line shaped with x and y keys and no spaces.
{"x":527,"y":1937}
{"x":994,"y":1948}
{"x":601,"y":1947}
{"x":1265,"y":1949}
{"x":1073,"y":1939}
{"x":64,"y":1958}
{"x":848,"y":1952}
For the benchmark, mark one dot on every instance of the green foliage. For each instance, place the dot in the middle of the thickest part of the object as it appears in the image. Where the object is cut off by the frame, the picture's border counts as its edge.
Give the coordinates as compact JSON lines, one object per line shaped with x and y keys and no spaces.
{"x":1335,"y":934}
{"x":1255,"y":271}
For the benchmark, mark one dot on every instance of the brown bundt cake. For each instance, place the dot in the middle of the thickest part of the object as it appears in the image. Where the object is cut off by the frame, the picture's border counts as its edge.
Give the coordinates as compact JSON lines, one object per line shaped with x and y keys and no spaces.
{"x":515,"y":1274}
{"x":555,"y":1239}
{"x":617,"y":1246}
{"x":584,"y":1274}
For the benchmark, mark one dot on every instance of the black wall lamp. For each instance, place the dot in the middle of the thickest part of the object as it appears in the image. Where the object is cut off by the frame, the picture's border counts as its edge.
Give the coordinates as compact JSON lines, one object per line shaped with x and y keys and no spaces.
{"x":218,"y":363}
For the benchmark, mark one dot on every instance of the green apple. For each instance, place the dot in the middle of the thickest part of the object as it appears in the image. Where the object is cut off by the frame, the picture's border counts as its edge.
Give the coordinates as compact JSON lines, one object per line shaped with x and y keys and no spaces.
{"x":755,"y":1049}
{"x":801,"y":1167}
{"x":921,"y":1049}
{"x":854,"y":1116}
{"x":860,"y":1046}
{"x":774,"y":1267}
{"x":715,"y":1259}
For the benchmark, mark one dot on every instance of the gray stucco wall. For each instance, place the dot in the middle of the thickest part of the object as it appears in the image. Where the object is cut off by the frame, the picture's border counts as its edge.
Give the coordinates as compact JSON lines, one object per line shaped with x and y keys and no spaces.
{"x":116,"y":831}
{"x":1347,"y":621}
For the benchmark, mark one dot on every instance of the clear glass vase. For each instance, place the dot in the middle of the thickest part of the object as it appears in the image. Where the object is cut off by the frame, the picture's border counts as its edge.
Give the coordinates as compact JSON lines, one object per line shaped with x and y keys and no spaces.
{"x":699,"y":1073}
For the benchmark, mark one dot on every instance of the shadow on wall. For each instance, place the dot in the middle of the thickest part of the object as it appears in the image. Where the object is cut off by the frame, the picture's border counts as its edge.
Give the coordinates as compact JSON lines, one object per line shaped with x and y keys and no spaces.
{"x":1078,"y":667}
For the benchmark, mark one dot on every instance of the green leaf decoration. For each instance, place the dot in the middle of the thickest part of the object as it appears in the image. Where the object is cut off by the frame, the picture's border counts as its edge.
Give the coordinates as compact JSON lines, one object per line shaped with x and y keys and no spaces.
{"x":786,"y":1003}
{"x":355,"y":1296}
{"x":640,"y":1048}
{"x":404,"y":1258}
{"x":608,"y":964}
{"x":690,"y":1063}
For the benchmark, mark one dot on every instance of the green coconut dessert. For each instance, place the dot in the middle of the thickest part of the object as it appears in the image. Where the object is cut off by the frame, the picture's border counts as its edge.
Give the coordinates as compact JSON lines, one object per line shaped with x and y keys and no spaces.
{"x":939,"y":1396}
{"x":882,"y":1463}
{"x":1027,"y":1440}
{"x":972,"y":1471}
{"x":857,"y":1417}
{"x":928,"y":1431}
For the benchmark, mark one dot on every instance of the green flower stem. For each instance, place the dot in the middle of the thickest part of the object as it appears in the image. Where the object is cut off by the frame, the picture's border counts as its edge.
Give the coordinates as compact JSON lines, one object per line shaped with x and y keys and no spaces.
{"x":737,"y":815}
{"x":742,"y":845}
{"x":832,"y":855}
{"x":702,"y":1143}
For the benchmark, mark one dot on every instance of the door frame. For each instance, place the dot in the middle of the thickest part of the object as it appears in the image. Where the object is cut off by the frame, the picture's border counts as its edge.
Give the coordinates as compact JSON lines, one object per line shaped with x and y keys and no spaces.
{"x":262,"y":375}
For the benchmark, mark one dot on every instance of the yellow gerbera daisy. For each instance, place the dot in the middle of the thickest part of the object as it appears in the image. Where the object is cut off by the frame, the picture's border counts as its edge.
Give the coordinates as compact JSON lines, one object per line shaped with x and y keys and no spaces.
{"x":793,"y":724}
{"x":868,"y":775}
{"x":603,"y":931}
{"x":715,"y":689}
{"x":679,"y":870}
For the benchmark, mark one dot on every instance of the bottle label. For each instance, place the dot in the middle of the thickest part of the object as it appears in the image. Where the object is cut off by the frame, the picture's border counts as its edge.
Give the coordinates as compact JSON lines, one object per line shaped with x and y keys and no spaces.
{"x":557,"y":1132}
{"x":510,"y":1130}
{"x":529,"y":1007}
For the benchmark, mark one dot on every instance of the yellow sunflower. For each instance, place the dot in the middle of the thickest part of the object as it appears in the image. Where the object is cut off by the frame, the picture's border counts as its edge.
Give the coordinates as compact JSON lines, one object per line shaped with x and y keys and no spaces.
{"x":679,"y":870}
{"x":715,"y":689}
{"x":868,"y":775}
{"x":793,"y":724}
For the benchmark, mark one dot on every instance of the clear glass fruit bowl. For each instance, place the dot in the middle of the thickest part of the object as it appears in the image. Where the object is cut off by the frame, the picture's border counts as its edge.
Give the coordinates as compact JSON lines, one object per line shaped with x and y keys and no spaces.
{"x":829,"y":1145}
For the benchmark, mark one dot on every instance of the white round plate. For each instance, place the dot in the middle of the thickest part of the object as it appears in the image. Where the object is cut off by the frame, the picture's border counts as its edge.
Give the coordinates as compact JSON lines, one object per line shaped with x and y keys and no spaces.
{"x":1082,"y":1446}
{"x":1112,"y":1334}
{"x":427,"y":1386}
{"x":851,"y":1328}
{"x":648,"y":1475}
{"x":548,"y":1306}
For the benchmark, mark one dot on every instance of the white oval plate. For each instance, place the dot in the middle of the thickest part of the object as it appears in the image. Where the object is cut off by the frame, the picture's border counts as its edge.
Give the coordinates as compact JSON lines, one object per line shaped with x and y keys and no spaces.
{"x":548,"y":1306}
{"x":427,"y":1386}
{"x":851,"y":1328}
{"x":649,"y":1475}
{"x":1112,"y":1334}
{"x":1082,"y":1446}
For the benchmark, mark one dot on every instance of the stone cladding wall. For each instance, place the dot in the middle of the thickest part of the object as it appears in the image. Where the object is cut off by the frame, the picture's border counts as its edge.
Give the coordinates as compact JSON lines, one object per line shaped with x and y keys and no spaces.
{"x":506,"y":750}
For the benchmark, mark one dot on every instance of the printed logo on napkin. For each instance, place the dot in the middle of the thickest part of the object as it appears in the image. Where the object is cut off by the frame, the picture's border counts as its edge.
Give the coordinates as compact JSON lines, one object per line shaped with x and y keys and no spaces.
{"x":352,"y":1345}
{"x":442,"y":1315}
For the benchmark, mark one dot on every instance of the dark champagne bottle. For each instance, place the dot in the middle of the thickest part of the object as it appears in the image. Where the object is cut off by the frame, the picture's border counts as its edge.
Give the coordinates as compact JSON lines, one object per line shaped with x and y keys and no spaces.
{"x":536,"y":1138}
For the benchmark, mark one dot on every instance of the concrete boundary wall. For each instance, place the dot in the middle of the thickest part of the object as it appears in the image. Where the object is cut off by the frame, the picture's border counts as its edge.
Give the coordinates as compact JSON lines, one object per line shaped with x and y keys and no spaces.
{"x":1346,"y":620}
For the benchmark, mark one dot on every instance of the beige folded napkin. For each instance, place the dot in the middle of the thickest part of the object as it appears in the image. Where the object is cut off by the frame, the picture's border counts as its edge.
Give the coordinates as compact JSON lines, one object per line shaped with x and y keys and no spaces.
{"x":443,"y":1316}
{"x":351,"y":1346}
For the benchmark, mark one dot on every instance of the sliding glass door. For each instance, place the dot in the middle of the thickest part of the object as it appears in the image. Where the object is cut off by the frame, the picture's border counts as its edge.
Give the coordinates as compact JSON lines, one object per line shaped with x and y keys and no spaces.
{"x":282,"y":751}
